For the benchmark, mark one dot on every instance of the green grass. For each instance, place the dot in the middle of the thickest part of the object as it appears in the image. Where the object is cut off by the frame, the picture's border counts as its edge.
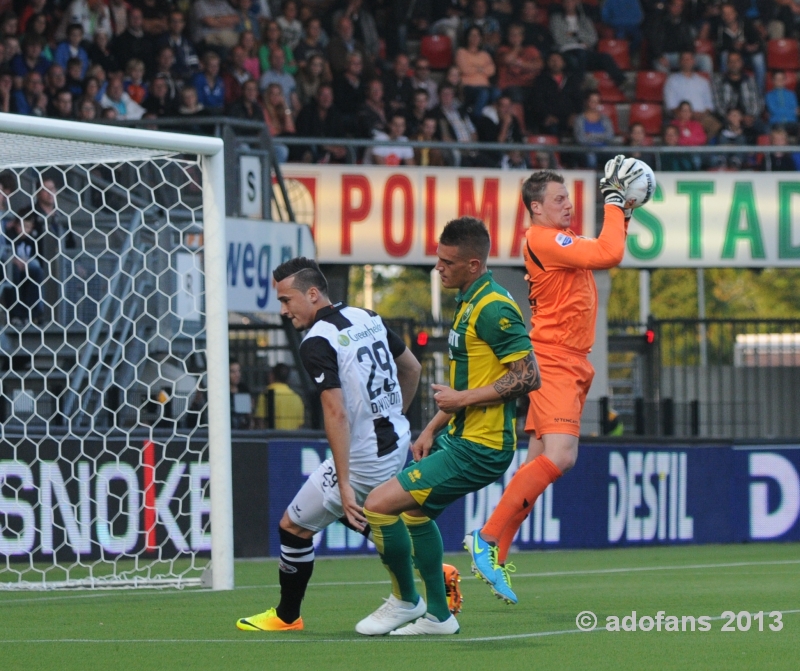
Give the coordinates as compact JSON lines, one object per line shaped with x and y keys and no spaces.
{"x":194,"y":630}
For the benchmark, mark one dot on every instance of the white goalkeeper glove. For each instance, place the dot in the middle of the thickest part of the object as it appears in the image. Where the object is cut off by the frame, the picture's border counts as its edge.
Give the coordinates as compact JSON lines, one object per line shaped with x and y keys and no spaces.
{"x":619,"y":174}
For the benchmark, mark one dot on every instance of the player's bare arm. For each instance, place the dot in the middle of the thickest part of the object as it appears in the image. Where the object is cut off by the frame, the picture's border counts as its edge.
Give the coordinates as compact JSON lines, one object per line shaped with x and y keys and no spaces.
{"x":408,"y":373}
{"x":337,"y":430}
{"x":521,"y":378}
{"x":422,"y":445}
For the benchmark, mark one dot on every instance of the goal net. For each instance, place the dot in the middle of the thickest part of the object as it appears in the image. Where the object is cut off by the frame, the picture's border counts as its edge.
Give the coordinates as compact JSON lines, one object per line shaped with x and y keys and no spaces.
{"x":114,"y":406}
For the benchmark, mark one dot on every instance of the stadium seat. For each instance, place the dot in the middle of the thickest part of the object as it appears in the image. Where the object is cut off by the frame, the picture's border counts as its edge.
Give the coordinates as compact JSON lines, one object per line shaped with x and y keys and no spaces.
{"x":791,"y":80}
{"x":783,"y":55}
{"x":438,"y":49}
{"x":647,"y":114}
{"x":619,"y":50}
{"x":608,"y":90}
{"x":610,"y":110}
{"x":541,"y":139}
{"x":650,"y":86}
{"x":704,"y":47}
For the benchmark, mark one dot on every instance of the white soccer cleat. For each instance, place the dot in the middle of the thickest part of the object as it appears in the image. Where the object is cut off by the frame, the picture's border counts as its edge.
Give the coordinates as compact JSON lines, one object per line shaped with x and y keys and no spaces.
{"x":390,"y":616}
{"x":427,"y":626}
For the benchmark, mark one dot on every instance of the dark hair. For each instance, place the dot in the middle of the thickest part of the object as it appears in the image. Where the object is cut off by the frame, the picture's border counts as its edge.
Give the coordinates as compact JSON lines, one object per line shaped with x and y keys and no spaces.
{"x":74,"y":26}
{"x":280,"y":371}
{"x":533,"y":188}
{"x":467,"y":233}
{"x":306,"y":274}
{"x":469,"y":30}
{"x":8,"y":181}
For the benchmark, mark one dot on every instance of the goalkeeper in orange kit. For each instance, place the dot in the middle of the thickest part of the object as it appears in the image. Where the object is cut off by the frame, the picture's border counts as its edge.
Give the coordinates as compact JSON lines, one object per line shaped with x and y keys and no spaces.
{"x":563,"y":299}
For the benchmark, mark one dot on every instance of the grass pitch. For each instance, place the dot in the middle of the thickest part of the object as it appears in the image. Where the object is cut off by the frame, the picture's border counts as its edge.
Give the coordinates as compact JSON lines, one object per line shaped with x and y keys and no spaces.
{"x":196,"y":629}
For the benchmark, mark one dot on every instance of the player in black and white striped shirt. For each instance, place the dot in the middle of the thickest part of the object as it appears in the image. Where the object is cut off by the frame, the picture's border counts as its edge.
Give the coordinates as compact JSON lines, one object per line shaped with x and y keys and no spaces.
{"x":367,"y":378}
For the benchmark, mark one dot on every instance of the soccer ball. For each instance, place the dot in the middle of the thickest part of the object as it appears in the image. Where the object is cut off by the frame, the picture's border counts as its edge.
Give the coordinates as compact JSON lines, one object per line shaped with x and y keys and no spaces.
{"x":641,"y":189}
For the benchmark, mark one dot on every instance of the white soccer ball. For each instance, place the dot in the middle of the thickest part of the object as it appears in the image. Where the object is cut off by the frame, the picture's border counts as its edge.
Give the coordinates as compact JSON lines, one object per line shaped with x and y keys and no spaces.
{"x":641,"y":189}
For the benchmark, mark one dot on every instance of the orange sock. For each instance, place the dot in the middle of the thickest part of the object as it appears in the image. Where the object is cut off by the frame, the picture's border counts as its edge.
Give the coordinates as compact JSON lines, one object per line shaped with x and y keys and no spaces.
{"x":507,"y":535}
{"x":520,"y":495}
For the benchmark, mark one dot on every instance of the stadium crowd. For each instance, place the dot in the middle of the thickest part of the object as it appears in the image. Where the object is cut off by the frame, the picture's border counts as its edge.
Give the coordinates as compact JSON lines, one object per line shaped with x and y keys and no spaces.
{"x":598,"y":74}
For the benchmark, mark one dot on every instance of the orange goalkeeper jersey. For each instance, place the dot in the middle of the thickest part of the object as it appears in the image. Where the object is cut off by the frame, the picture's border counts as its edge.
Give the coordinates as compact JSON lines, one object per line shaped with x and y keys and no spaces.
{"x":563,"y":294}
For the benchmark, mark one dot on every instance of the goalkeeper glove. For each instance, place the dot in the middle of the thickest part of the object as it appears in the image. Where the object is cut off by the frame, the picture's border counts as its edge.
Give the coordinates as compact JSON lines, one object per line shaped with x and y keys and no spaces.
{"x":619,"y":174}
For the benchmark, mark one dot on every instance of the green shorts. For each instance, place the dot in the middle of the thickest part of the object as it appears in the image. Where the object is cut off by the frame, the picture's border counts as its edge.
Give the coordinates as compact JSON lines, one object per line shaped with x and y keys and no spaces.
{"x":453,"y":468}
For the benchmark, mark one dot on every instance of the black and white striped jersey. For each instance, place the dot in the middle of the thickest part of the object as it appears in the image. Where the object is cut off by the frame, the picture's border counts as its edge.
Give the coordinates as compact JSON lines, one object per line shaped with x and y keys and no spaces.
{"x":351,"y":349}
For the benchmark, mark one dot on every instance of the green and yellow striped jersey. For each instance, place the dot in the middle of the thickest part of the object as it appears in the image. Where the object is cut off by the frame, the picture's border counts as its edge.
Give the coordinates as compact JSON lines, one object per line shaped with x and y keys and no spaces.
{"x":488,"y":332}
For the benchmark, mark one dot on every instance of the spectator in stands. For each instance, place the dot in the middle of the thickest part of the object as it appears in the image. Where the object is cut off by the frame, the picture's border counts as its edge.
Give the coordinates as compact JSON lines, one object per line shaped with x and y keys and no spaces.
{"x":214,"y":23}
{"x":6,"y":90}
{"x":344,"y":43}
{"x":397,"y":86}
{"x":736,"y":89}
{"x":134,"y":83}
{"x":455,"y":125}
{"x":517,"y":66}
{"x":687,"y":85}
{"x":54,"y":223}
{"x":311,"y":75}
{"x":91,"y":90}
{"x":732,"y":133}
{"x":447,"y":17}
{"x":350,"y":91}
{"x":365,"y":29}
{"x":32,"y":8}
{"x":61,"y":106}
{"x":276,"y":74}
{"x":497,"y":123}
{"x":247,"y":106}
{"x":279,"y":119}
{"x":26,"y":269}
{"x":670,"y":35}
{"x":430,"y":156}
{"x":392,"y":154}
{"x":134,"y":42}
{"x":118,"y":10}
{"x":291,"y":28}
{"x":71,"y":48}
{"x":9,"y":23}
{"x":692,"y":133}
{"x":489,"y":26}
{"x":30,"y":60}
{"x":235,"y":75}
{"x":165,"y":68}
{"x":209,"y":86}
{"x":625,"y":17}
{"x":735,"y":34}
{"x":416,"y":115}
{"x":155,"y":16}
{"x":39,"y":24}
{"x":477,"y":68}
{"x":10,"y":48}
{"x":279,"y":407}
{"x":320,"y":119}
{"x":241,"y":401}
{"x":73,"y":76}
{"x":100,"y":52}
{"x":592,"y":128}
{"x":781,"y":103}
{"x":674,"y":161}
{"x":86,"y":109}
{"x":372,"y":116}
{"x":779,"y":161}
{"x":54,"y":80}
{"x":93,"y":15}
{"x":160,"y":101}
{"x":453,"y":77}
{"x":555,"y":98}
{"x":422,"y":80}
{"x":575,"y":37}
{"x":116,"y":98}
{"x":637,"y":137}
{"x":96,"y":72}
{"x":30,"y":100}
{"x":313,"y":41}
{"x":273,"y":41}
{"x":536,"y":35}
{"x":192,"y":108}
{"x":247,"y":21}
{"x":186,"y":61}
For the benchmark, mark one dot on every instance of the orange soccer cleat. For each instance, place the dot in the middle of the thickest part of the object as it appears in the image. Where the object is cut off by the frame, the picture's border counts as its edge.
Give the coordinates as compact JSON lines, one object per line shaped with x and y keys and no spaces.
{"x":452,"y":589}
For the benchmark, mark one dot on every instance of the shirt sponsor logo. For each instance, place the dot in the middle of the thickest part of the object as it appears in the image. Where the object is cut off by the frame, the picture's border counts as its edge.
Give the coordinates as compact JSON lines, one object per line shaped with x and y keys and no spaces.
{"x":564,"y":240}
{"x":369,"y":330}
{"x":344,"y":341}
{"x":504,"y":323}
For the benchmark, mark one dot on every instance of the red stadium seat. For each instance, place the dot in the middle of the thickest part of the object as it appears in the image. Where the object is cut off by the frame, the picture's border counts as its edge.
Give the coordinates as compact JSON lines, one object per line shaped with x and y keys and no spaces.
{"x":619,"y":50}
{"x":650,"y":86}
{"x":608,"y":90}
{"x":610,"y":110}
{"x":704,"y":47}
{"x":438,"y":49}
{"x":541,"y":139}
{"x":791,"y":80}
{"x":783,"y":55}
{"x":647,"y":114}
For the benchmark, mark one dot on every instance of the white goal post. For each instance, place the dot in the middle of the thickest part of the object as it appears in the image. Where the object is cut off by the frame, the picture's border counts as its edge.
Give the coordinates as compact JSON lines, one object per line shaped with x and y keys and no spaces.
{"x":114,"y":403}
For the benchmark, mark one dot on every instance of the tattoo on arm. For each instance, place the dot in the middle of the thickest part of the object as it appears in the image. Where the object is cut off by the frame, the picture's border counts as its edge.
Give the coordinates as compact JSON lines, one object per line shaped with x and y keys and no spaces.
{"x":522,"y":377}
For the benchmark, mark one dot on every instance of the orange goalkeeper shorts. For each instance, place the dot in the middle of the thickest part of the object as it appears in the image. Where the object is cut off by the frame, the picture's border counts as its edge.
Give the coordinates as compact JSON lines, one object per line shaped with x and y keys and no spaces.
{"x":556,"y":407}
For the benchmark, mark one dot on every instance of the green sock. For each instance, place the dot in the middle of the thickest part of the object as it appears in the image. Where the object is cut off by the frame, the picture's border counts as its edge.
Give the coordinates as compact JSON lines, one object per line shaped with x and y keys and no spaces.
{"x":394,"y":546}
{"x":428,"y":553}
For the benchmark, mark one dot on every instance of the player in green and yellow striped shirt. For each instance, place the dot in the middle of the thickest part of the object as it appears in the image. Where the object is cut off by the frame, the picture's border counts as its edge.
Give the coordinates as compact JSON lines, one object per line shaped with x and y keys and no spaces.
{"x":491,"y":364}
